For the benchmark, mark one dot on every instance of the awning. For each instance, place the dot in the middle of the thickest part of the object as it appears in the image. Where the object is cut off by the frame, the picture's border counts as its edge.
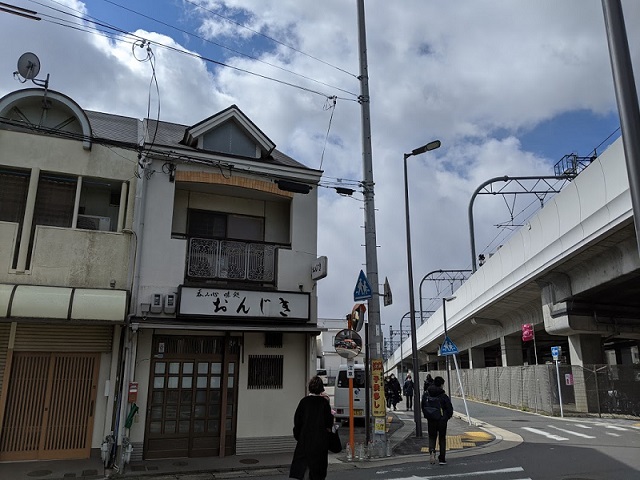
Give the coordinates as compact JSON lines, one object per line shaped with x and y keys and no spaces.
{"x":173,"y":325}
{"x":30,"y":301}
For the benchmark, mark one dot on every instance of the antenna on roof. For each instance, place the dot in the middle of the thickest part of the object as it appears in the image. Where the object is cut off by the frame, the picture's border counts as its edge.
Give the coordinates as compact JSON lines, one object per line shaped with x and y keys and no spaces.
{"x":28,"y":69}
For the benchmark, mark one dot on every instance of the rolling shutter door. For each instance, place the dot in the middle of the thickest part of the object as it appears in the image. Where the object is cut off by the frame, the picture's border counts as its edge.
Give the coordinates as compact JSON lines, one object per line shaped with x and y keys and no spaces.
{"x":63,"y":338}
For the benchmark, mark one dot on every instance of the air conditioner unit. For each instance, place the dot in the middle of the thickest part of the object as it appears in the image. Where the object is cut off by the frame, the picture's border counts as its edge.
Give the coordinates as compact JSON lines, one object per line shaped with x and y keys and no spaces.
{"x":93,"y":222}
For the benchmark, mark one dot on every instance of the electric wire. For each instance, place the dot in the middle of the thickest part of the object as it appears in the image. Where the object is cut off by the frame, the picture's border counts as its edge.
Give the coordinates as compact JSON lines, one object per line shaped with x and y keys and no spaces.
{"x":270,"y":38}
{"x":326,"y":138}
{"x":174,"y":49}
{"x":153,"y":152}
{"x":191,"y":34}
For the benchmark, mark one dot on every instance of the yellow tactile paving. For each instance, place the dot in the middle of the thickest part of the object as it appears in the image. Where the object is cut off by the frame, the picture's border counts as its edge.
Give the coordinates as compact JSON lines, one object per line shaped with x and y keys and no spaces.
{"x":454,"y":442}
{"x":477,"y":436}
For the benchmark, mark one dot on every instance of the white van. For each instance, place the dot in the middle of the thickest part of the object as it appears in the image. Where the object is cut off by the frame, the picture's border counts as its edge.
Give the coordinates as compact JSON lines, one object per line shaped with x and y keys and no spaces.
{"x":341,"y":392}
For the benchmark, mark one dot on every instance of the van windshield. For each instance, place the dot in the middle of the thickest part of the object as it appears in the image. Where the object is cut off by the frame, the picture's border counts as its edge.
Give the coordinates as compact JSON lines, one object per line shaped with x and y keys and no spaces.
{"x":358,"y":380}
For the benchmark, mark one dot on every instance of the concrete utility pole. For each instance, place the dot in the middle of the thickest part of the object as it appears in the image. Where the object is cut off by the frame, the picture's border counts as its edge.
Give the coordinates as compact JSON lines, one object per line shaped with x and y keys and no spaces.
{"x":627,"y":98}
{"x":375,"y":332}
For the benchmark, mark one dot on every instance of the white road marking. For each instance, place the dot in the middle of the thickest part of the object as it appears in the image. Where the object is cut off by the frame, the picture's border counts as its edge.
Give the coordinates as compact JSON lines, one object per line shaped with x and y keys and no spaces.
{"x":544,"y":434}
{"x":613,"y":434}
{"x":581,"y":425}
{"x":615,"y":427}
{"x":466,"y":474}
{"x":577,"y":434}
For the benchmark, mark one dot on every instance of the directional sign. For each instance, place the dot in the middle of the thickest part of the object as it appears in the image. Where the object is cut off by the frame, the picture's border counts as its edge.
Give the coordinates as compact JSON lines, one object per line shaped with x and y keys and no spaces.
{"x":555,"y":352}
{"x":363,"y":290}
{"x":448,"y":347}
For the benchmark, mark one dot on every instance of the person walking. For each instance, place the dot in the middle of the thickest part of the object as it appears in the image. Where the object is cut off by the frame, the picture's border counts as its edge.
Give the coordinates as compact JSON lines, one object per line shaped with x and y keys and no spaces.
{"x":312,"y":423}
{"x":396,"y":390}
{"x":437,"y":409}
{"x":408,"y":391}
{"x":388,"y":393}
{"x":427,"y":382}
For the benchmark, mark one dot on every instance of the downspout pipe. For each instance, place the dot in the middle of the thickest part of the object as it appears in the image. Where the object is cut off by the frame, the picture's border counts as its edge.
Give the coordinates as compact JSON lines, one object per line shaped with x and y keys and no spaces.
{"x":134,"y":276}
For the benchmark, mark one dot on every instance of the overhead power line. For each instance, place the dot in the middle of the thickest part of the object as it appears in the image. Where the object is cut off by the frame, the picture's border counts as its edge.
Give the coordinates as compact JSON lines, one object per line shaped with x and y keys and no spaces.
{"x":230,"y":20}
{"x":120,"y":33}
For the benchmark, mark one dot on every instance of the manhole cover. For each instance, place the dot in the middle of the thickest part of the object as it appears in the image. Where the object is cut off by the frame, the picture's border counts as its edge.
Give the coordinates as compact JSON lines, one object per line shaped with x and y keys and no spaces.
{"x":249,"y":461}
{"x":39,"y":473}
{"x":180,"y":464}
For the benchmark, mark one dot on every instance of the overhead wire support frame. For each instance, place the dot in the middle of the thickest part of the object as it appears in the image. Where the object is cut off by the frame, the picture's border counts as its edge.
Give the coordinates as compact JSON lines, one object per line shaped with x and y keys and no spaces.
{"x":483,"y":190}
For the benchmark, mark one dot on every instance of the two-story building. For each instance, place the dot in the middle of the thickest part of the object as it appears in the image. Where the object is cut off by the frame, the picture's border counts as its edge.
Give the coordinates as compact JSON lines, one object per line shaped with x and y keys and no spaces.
{"x":185,"y":329}
{"x":66,"y":201}
{"x":224,"y":309}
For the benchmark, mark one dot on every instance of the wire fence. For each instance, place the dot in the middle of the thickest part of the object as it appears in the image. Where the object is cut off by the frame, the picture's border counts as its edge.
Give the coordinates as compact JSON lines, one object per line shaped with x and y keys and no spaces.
{"x":589,"y":389}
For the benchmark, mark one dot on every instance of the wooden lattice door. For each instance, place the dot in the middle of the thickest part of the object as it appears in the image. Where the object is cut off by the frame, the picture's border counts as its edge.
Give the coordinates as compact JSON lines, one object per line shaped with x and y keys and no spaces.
{"x":50,"y":406}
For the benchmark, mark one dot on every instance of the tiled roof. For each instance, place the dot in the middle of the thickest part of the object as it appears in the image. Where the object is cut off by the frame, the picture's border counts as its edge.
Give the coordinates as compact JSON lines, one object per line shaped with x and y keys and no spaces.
{"x":129,"y":130}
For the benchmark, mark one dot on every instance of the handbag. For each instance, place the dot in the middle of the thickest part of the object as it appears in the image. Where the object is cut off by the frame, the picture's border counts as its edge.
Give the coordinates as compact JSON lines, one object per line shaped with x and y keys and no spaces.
{"x":334,"y":442}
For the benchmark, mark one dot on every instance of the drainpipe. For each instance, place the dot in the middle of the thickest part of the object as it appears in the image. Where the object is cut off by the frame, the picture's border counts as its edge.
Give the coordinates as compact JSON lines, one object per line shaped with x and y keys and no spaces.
{"x":131,"y":337}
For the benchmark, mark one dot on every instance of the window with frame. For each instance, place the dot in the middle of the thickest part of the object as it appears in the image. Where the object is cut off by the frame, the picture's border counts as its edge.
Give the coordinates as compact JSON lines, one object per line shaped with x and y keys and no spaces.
{"x":207,"y":224}
{"x":14,"y":187}
{"x":265,"y":372}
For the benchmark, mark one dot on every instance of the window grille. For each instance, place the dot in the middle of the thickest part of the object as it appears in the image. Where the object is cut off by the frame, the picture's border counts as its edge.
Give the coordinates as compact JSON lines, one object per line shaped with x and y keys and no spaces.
{"x":265,"y":372}
{"x":273,"y":339}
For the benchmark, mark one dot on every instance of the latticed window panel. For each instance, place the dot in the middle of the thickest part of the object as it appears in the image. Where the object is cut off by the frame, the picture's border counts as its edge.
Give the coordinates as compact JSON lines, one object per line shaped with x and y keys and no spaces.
{"x":203,"y":258}
{"x":233,"y":260}
{"x":265,"y":372}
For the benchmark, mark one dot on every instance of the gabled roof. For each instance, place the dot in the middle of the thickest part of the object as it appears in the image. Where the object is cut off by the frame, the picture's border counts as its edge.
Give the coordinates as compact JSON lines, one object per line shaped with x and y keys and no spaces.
{"x":232,"y":113}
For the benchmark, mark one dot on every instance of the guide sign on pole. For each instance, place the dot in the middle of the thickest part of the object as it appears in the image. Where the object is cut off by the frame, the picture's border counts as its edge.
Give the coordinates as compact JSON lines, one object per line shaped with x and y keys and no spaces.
{"x":555,"y":353}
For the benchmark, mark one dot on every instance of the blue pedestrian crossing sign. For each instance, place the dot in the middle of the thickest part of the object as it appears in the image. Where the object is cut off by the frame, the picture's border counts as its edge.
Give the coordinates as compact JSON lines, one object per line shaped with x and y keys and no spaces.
{"x":363,"y":290}
{"x":448,"y":347}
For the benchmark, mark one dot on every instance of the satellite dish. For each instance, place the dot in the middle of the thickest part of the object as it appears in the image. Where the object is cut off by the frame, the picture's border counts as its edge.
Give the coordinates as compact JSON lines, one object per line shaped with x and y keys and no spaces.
{"x":28,"y":65}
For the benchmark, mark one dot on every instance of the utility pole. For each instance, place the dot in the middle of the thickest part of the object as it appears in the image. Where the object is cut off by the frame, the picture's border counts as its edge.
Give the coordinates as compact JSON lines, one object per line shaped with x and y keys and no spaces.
{"x":375,"y":332}
{"x":627,"y":99}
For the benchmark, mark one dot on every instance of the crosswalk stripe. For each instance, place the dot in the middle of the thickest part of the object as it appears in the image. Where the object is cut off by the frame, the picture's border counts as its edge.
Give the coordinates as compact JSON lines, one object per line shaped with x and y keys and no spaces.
{"x":613,"y":434}
{"x":544,"y":434}
{"x":582,"y":426}
{"x":466,"y":474}
{"x":577,"y":434}
{"x":615,"y":427}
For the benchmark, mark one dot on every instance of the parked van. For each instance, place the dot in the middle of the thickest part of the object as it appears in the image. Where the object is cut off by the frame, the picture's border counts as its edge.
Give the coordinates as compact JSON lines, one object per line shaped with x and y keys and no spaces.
{"x":322,"y":373}
{"x":341,"y":392}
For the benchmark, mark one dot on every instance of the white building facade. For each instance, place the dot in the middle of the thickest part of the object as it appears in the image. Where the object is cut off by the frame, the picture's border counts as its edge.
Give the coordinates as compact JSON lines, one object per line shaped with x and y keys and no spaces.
{"x":224,"y":319}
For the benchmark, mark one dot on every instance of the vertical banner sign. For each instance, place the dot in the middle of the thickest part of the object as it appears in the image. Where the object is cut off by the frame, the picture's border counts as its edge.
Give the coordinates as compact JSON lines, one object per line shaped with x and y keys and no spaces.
{"x":377,"y":385}
{"x":527,"y":332}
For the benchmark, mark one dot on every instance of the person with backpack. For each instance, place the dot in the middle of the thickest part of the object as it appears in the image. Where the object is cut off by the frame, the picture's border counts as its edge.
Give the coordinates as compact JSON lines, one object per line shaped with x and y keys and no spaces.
{"x":437,"y":409}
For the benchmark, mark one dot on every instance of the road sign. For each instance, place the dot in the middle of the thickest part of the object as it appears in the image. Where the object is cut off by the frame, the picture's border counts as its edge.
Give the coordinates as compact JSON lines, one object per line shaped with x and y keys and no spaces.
{"x":363,"y":290}
{"x":555,"y":352}
{"x":388,"y":296}
{"x":448,"y":347}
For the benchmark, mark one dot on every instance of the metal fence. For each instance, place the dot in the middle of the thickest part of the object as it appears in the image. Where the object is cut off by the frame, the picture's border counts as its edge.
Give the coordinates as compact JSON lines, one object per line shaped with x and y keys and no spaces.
{"x":589,"y":389}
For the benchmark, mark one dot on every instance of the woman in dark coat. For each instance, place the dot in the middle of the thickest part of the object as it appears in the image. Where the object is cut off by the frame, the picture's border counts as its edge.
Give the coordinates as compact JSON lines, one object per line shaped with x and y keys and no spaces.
{"x":312,"y":423}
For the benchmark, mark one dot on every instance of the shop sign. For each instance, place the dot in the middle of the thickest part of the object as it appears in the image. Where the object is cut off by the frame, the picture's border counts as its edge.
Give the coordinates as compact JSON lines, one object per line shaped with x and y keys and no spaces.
{"x":228,"y":302}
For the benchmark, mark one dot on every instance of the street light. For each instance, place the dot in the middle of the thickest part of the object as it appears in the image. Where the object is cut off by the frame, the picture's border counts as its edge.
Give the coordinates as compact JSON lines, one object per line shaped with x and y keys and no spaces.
{"x":412,"y":310}
{"x":446,"y":334}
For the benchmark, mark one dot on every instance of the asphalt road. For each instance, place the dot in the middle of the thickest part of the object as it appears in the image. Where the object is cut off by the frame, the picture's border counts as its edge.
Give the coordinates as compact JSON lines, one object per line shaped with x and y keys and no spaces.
{"x":551,"y":449}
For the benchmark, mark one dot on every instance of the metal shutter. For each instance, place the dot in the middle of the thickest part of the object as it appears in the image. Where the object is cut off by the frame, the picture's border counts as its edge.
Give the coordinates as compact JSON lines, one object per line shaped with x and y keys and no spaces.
{"x":63,"y":338}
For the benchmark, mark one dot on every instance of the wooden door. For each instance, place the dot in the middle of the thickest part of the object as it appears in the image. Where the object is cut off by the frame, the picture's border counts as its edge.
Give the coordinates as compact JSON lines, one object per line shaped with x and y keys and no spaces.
{"x":192,"y":383}
{"x":50,"y":406}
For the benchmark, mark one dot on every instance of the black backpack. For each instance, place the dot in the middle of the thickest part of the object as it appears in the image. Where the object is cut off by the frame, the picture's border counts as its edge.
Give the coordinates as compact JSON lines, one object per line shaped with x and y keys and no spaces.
{"x":431,"y":407}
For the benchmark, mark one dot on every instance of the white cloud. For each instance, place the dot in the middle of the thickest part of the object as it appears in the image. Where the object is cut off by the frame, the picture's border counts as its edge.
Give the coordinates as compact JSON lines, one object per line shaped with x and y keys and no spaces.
{"x":474,"y":74}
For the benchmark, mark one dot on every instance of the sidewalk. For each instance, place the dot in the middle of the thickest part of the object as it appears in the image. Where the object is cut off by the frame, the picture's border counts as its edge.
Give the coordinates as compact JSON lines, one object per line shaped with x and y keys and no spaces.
{"x":462,"y":439}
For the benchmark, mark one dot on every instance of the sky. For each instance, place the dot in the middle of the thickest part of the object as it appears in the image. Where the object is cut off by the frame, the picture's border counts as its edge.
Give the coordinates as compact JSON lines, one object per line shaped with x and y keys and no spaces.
{"x":509,"y":88}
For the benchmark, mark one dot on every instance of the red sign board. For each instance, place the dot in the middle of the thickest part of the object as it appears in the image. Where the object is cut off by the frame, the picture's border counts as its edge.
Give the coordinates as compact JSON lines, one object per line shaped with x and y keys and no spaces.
{"x":527,"y":332}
